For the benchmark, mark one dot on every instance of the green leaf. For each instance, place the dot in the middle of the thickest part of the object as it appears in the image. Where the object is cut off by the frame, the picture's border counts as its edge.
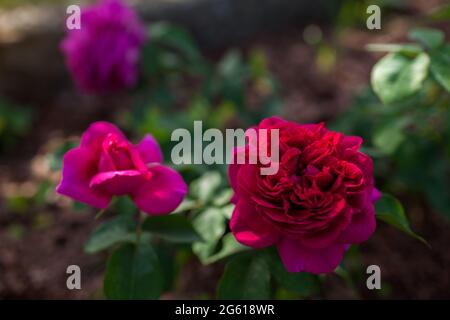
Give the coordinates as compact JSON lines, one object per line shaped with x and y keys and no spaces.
{"x":396,"y":77}
{"x":388,"y":137}
{"x":227,"y":210}
{"x":245,"y":277}
{"x":229,"y":247}
{"x":175,"y":227}
{"x":210,"y":225}
{"x":304,"y":284}
{"x":205,"y":187}
{"x":390,"y":210}
{"x":110,"y":233}
{"x":440,"y":66}
{"x":133,"y":272}
{"x":223,"y":197}
{"x":186,"y":205}
{"x":430,"y":38}
{"x":179,"y":39}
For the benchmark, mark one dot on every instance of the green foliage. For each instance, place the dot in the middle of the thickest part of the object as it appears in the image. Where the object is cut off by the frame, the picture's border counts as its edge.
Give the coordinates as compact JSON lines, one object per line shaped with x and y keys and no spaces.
{"x":15,"y":123}
{"x":174,"y":228}
{"x":408,"y":133}
{"x":133,"y":272}
{"x":111,"y":233}
{"x":245,"y":277}
{"x":390,"y":210}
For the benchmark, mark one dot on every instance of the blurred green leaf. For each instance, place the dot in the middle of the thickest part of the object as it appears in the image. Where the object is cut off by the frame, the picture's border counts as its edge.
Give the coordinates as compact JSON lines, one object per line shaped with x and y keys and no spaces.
{"x":390,"y":135}
{"x":430,"y":38}
{"x":110,"y":233}
{"x":186,"y":205}
{"x":396,"y":77}
{"x":210,"y":225}
{"x":245,"y":277}
{"x":205,"y":187}
{"x":390,"y":210}
{"x":223,"y":197}
{"x":229,"y":247}
{"x":133,"y":272}
{"x":180,"y":40}
{"x":175,"y":228}
{"x":440,"y":66}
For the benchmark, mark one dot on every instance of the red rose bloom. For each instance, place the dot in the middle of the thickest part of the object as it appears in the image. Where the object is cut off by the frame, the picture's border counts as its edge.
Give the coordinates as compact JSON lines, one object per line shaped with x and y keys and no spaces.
{"x":318,"y":203}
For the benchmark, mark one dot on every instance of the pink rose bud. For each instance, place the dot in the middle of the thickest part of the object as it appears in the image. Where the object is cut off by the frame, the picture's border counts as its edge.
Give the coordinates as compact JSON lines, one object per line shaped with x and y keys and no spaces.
{"x":319,"y":202}
{"x":106,"y":164}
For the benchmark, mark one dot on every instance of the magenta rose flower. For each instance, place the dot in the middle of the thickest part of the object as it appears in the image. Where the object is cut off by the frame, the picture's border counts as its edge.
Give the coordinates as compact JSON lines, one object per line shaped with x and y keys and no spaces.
{"x":318,"y":203}
{"x":106,"y":164}
{"x":103,"y":55}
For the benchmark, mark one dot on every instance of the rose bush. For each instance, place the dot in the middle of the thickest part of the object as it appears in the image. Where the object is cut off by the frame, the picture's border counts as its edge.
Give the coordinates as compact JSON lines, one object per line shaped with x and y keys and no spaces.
{"x":106,"y":164}
{"x":319,"y":202}
{"x":103,"y":55}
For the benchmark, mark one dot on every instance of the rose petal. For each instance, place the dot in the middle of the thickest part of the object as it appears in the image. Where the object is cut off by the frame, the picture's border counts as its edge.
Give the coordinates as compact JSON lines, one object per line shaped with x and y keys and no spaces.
{"x":233,"y":169}
{"x":79,"y":165}
{"x":118,"y":182}
{"x":162,"y":193}
{"x":375,"y":195}
{"x":297,"y":258}
{"x":323,"y":239}
{"x":93,"y":137}
{"x":250,"y":228}
{"x":149,"y":149}
{"x":361,"y":227}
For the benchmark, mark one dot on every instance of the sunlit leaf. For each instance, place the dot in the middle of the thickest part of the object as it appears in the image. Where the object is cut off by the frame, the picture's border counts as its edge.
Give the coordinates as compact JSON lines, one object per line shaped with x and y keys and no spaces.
{"x":396,"y":77}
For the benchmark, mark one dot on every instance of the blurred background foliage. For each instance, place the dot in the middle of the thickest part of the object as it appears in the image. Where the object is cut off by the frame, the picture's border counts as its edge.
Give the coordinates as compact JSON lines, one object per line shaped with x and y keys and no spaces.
{"x":403,"y":116}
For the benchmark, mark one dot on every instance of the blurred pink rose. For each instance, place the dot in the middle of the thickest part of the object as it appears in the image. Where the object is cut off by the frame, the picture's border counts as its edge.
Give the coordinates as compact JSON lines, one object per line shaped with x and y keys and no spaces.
{"x":103,"y":55}
{"x":318,"y":203}
{"x":106,"y":164}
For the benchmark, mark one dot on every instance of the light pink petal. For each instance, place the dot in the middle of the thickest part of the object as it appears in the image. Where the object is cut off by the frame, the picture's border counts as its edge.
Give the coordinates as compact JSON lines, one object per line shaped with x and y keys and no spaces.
{"x":297,"y":258}
{"x":149,"y":150}
{"x":93,"y":137}
{"x":361,"y":227}
{"x":118,"y":182}
{"x":79,"y":165}
{"x":162,"y":193}
{"x":250,"y":228}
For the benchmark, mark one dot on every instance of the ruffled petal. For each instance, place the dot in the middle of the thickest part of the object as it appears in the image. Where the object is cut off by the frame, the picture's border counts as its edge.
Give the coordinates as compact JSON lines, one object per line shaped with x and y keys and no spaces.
{"x":93,"y":137}
{"x":250,"y":228}
{"x":361,"y":227}
{"x":162,"y":193}
{"x":118,"y":182}
{"x":297,"y":258}
{"x":79,"y":165}
{"x":149,"y":149}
